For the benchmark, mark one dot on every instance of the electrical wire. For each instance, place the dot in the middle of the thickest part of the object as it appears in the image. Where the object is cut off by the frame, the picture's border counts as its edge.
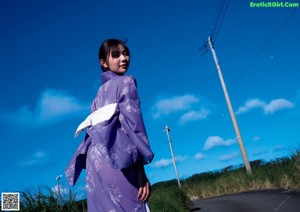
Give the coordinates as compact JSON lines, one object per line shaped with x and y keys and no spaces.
{"x":263,"y":48}
{"x":217,"y":18}
{"x":214,"y":37}
{"x":216,"y":26}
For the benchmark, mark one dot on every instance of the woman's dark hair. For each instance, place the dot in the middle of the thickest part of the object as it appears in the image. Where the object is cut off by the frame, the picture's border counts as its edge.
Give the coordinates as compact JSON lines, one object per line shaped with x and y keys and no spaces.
{"x":109,"y":46}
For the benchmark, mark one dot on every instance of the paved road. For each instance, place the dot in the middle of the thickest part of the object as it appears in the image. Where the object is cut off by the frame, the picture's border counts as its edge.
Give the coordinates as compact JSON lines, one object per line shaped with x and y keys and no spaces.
{"x":256,"y":201}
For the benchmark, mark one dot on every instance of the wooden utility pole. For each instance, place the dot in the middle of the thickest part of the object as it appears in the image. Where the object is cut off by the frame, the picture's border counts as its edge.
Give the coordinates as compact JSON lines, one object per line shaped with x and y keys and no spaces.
{"x":235,"y":125}
{"x":167,"y":129}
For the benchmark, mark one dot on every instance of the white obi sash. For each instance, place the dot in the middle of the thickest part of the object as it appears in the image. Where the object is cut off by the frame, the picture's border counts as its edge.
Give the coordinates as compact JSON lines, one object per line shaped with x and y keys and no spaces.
{"x":102,"y":114}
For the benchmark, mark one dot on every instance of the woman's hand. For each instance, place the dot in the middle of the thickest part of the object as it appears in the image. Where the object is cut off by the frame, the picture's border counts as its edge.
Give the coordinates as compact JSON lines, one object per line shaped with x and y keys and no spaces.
{"x":144,"y":192}
{"x":144,"y":185}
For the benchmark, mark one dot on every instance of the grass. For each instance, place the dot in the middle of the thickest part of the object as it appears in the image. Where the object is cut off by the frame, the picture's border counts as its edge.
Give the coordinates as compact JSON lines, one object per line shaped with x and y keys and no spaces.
{"x":40,"y":202}
{"x":167,"y":197}
{"x":276,"y":174}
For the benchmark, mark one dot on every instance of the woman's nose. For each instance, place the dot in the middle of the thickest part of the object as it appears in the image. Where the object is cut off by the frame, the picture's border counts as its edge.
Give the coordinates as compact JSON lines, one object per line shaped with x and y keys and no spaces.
{"x":122,"y":57}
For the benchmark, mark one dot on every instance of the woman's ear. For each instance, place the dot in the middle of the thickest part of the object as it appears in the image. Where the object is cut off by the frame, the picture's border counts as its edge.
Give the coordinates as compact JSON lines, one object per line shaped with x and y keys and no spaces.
{"x":103,"y":63}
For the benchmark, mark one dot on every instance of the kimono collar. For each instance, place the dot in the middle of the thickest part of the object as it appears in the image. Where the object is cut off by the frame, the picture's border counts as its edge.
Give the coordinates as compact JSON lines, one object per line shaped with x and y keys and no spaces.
{"x":108,"y":75}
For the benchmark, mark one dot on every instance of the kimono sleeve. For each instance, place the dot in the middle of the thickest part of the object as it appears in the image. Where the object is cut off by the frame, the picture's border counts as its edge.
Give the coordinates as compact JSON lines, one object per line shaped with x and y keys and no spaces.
{"x":131,"y":119}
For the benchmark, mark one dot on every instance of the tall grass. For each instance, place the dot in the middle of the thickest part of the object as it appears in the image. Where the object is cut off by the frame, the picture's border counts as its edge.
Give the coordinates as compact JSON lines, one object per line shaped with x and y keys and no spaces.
{"x":280,"y":173}
{"x":162,"y":199}
{"x":167,"y":197}
{"x":40,"y":201}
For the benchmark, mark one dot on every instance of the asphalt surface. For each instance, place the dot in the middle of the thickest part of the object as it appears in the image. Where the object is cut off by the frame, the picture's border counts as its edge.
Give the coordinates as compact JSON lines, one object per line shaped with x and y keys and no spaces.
{"x":257,"y":201}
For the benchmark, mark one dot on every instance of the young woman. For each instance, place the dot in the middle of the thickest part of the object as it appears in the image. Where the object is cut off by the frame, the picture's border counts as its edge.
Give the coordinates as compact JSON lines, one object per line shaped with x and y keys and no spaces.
{"x":116,"y":146}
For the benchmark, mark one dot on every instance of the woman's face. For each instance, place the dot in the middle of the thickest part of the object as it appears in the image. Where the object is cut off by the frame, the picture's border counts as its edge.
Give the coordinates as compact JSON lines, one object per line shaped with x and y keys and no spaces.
{"x":117,"y":61}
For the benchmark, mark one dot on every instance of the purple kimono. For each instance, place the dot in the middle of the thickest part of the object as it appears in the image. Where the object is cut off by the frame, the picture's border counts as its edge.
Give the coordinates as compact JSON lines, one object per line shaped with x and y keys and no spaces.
{"x":111,"y":147}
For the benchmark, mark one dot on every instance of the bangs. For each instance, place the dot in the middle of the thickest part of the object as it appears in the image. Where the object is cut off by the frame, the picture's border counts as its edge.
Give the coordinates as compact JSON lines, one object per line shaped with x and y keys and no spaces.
{"x":115,"y":47}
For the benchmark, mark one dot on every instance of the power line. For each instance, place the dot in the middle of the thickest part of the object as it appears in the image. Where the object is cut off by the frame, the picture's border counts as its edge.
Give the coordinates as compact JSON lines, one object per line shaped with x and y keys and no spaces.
{"x":263,"y":48}
{"x":216,"y":26}
{"x":214,"y":37}
{"x":216,"y":16}
{"x":214,"y":33}
{"x":204,"y":48}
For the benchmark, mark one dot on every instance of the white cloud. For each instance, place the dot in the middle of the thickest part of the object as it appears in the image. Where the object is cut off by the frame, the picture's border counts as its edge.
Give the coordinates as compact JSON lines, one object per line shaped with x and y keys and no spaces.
{"x":276,"y":105}
{"x":63,"y":191}
{"x":39,"y":154}
{"x":54,"y":103}
{"x":215,"y":141}
{"x":193,"y":116}
{"x":256,"y":138}
{"x":167,"y":162}
{"x":229,"y":157}
{"x":260,"y":152}
{"x":175,"y":104}
{"x":52,"y":106}
{"x":37,"y":158}
{"x":199,"y":156}
{"x":250,"y":104}
{"x":278,"y":148}
{"x":270,"y":108}
{"x":162,"y":163}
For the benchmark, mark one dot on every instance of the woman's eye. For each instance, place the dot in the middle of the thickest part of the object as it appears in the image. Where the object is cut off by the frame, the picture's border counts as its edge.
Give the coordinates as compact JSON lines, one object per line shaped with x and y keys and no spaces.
{"x":125,"y":53}
{"x":115,"y":54}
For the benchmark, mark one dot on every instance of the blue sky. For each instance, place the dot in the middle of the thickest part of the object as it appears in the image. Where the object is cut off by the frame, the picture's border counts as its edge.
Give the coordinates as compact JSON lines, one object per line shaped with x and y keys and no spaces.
{"x":50,"y":75}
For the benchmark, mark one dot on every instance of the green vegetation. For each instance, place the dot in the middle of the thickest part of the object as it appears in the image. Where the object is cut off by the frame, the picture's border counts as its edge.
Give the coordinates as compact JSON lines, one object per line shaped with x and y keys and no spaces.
{"x":167,"y":197}
{"x":276,"y":174}
{"x":279,"y":173}
{"x":41,"y":202}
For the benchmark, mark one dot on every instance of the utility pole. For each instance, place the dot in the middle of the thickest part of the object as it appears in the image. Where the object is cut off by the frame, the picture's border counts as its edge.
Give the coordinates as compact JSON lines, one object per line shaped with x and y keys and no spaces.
{"x":167,"y":129}
{"x":58,"y":188}
{"x":235,"y":125}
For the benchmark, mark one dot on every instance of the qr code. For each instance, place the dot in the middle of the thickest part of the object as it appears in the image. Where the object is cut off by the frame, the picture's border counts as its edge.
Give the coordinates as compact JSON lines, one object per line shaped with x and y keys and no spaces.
{"x":10,"y":201}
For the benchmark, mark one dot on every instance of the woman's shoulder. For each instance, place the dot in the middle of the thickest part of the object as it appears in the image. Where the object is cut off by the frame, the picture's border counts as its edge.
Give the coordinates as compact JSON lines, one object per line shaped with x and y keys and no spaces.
{"x":125,"y":80}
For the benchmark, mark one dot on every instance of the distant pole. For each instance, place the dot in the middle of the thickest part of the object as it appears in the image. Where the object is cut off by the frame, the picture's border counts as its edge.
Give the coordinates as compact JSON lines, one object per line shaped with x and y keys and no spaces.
{"x":235,"y":125}
{"x":167,"y":129}
{"x":58,"y":190}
